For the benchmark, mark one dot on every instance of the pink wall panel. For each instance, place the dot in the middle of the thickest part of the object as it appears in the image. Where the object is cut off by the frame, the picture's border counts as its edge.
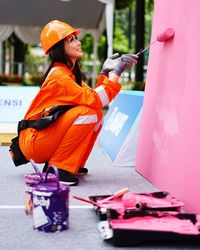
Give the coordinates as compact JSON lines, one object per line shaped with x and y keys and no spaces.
{"x":169,"y":144}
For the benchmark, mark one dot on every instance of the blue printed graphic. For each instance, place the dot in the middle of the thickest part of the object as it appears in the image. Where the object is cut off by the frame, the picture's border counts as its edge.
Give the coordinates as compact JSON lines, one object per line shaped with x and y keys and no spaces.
{"x":119,"y":120}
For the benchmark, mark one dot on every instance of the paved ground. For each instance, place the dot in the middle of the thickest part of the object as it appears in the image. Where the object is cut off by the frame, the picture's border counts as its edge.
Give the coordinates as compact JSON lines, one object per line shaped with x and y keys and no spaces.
{"x":16,"y":231}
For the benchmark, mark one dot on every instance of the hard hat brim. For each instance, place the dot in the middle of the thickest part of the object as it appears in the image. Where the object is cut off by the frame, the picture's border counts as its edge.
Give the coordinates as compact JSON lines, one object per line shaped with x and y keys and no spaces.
{"x":77,"y":31}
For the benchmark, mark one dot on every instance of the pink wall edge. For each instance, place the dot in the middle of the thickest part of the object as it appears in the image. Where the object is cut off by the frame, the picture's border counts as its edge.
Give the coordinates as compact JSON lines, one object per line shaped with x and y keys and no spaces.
{"x":168,"y":153}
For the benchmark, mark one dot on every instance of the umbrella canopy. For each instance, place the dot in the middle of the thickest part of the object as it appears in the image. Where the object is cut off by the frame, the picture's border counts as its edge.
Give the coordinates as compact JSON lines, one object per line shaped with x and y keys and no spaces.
{"x":27,"y":17}
{"x":79,"y":13}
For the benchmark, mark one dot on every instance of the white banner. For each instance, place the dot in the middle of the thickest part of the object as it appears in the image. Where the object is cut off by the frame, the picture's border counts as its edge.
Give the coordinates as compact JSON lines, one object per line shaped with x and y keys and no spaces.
{"x":14,"y":102}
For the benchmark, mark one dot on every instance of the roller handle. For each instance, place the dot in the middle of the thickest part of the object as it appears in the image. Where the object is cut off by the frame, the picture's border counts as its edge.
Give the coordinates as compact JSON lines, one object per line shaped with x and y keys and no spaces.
{"x":146,"y":48}
{"x":55,"y":172}
{"x":88,"y":201}
{"x":36,"y":170}
{"x":115,"y":195}
{"x":121,"y":192}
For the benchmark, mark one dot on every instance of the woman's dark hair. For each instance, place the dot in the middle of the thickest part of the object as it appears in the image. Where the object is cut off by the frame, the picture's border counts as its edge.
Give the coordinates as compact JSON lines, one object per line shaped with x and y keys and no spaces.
{"x":57,"y":54}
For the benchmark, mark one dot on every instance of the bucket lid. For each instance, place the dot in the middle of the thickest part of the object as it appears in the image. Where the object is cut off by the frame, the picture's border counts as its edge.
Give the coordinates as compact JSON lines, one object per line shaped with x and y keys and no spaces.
{"x":50,"y":187}
{"x":35,"y":178}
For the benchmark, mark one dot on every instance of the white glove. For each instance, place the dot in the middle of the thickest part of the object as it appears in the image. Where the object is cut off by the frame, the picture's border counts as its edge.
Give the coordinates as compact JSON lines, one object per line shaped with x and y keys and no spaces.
{"x":125,"y":63}
{"x":110,"y":64}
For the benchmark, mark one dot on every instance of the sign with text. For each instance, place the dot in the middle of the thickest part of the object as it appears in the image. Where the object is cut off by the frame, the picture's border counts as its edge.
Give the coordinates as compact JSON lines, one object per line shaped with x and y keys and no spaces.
{"x":14,"y":102}
{"x":120,"y":125}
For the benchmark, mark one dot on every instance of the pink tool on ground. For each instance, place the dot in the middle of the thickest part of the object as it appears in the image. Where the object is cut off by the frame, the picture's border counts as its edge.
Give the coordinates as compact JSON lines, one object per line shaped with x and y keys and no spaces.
{"x":88,"y":201}
{"x":115,"y":195}
{"x":130,"y":200}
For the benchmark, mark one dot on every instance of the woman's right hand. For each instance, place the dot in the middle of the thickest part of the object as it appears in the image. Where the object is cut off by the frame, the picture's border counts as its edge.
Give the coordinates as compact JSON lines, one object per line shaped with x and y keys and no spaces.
{"x":125,"y":63}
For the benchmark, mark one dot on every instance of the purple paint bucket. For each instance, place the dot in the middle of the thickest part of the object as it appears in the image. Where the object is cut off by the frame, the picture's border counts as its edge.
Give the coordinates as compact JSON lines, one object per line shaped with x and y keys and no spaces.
{"x":30,"y":181}
{"x":51,"y":206}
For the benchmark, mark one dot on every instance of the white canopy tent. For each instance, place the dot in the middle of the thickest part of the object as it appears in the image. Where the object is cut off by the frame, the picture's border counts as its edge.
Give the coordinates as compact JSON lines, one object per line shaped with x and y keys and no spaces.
{"x":27,"y":17}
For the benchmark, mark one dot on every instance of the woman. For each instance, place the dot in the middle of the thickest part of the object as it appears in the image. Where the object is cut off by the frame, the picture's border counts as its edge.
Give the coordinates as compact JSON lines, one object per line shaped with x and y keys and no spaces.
{"x":67,"y":142}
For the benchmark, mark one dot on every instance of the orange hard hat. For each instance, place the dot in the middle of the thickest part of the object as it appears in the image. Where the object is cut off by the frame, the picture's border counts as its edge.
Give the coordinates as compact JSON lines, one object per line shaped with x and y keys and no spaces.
{"x":54,"y":32}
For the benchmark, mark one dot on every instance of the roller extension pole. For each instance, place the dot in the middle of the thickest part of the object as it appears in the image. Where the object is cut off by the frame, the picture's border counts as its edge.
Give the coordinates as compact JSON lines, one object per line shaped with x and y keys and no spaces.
{"x":162,"y":37}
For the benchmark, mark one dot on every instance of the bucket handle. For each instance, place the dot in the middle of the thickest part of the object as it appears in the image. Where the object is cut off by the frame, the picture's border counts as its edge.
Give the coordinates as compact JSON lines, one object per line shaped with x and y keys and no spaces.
{"x":36,"y":170}
{"x":56,"y":173}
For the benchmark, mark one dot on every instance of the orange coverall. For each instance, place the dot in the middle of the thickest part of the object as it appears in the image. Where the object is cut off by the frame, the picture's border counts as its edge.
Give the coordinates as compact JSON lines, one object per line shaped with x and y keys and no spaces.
{"x":68,"y":141}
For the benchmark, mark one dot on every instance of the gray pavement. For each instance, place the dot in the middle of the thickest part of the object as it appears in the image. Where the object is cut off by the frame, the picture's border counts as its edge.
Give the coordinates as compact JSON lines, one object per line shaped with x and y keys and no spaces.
{"x":16,"y":228}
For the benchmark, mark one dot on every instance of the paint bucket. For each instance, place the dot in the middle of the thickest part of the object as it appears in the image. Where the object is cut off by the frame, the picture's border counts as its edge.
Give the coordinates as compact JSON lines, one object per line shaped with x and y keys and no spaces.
{"x":51,"y":206}
{"x":30,"y":181}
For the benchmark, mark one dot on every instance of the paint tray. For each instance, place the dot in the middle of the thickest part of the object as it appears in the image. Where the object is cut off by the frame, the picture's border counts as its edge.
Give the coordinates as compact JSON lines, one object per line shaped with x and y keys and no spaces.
{"x":131,"y":228}
{"x":161,"y":201}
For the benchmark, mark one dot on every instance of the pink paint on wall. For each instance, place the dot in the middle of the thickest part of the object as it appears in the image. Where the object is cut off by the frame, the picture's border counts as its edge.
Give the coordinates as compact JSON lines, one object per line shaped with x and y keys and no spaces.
{"x":168,"y":152}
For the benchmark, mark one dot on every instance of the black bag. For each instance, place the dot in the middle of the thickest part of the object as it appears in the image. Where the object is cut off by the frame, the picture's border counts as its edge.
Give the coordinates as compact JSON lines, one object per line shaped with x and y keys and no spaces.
{"x":42,"y":123}
{"x":16,"y":153}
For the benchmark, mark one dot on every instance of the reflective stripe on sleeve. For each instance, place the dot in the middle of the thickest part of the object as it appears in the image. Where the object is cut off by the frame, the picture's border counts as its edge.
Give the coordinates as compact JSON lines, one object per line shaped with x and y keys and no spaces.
{"x":103,"y":95}
{"x":86,"y":119}
{"x":100,"y":123}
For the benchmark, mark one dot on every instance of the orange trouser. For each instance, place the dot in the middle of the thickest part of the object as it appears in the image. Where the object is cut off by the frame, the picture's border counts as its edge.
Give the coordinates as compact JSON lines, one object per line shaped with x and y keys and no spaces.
{"x":67,"y":142}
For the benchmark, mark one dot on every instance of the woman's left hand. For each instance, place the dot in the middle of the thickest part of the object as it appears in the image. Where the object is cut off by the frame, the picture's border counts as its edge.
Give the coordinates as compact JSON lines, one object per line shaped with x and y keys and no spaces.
{"x":110,"y":64}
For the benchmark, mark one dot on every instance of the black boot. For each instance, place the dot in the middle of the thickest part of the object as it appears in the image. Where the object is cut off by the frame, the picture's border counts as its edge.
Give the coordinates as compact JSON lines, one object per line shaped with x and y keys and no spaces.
{"x":82,"y":171}
{"x":65,"y":177}
{"x":44,"y":170}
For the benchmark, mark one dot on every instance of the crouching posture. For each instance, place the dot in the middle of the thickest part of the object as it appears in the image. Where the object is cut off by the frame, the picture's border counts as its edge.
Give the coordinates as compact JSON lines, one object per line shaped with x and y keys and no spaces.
{"x":67,"y":141}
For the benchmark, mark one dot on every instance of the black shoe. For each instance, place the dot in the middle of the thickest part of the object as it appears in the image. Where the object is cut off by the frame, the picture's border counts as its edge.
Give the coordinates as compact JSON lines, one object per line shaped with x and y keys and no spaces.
{"x":67,"y":178}
{"x":82,"y":171}
{"x":44,"y":170}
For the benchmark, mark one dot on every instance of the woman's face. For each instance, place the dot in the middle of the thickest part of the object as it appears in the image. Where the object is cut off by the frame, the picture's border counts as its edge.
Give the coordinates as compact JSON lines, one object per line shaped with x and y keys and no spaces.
{"x":73,"y":47}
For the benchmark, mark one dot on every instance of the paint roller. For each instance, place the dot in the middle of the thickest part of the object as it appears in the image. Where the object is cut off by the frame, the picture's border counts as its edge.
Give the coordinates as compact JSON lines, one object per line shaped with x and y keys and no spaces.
{"x":130,"y":200}
{"x":164,"y":36}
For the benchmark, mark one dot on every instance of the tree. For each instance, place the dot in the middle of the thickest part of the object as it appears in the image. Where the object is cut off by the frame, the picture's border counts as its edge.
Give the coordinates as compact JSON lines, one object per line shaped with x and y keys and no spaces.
{"x":149,"y":8}
{"x":119,"y":4}
{"x":132,"y":30}
{"x":120,"y":41}
{"x":87,"y":46}
{"x":20,"y":50}
{"x":140,"y":31}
